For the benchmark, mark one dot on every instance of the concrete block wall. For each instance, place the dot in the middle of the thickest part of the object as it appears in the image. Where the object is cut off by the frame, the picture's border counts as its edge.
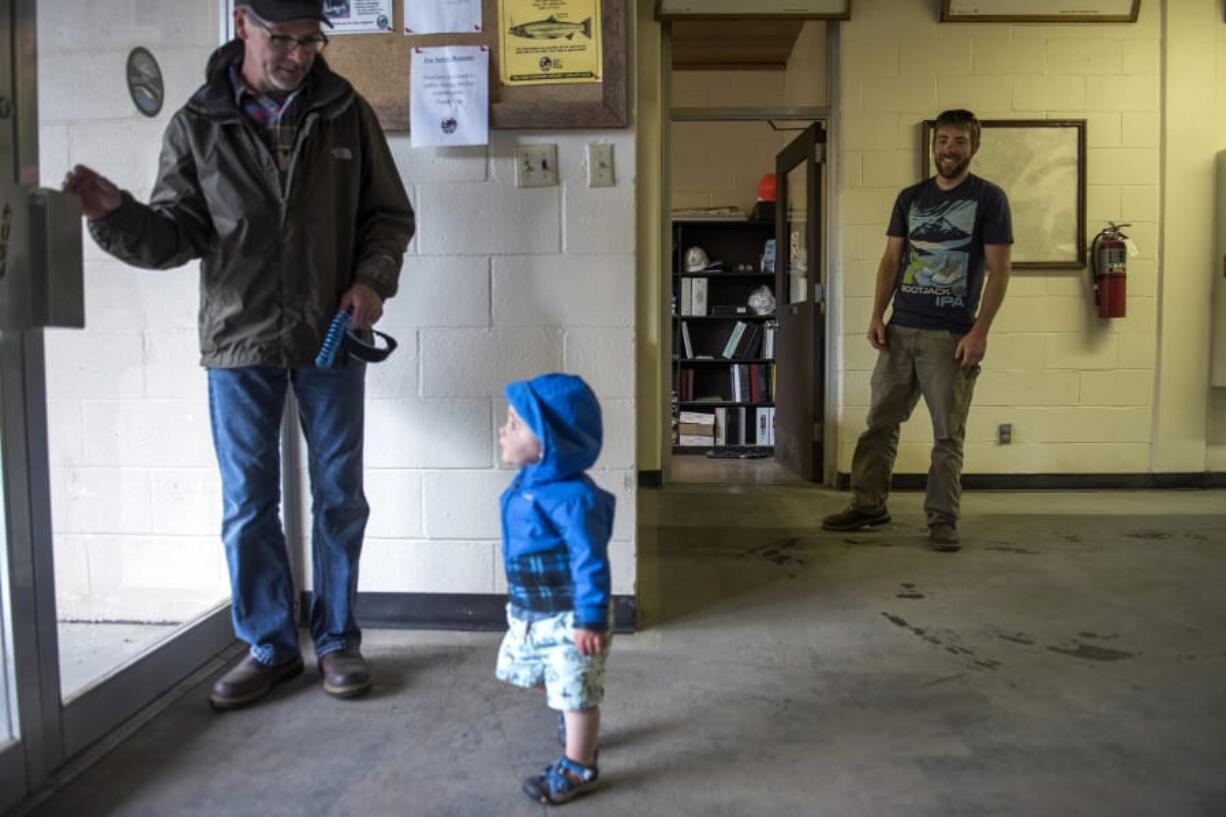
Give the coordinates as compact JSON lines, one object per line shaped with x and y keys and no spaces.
{"x":134,"y":490}
{"x":1078,"y":391}
{"x":500,"y":283}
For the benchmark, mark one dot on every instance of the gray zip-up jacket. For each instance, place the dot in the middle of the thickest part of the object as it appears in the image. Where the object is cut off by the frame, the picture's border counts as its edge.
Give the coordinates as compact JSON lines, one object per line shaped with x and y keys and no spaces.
{"x":275,"y":260}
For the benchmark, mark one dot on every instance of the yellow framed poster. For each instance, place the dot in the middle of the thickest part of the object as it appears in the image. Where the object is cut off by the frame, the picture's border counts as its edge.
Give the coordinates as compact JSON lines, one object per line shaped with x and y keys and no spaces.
{"x":549,"y":42}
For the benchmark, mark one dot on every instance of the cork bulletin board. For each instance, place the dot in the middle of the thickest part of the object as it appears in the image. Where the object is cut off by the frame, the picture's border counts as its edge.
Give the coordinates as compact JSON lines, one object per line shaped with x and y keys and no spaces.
{"x":378,"y":67}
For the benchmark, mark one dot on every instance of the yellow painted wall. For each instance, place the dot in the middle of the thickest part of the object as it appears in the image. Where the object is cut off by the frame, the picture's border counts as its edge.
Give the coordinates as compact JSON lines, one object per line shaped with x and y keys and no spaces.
{"x":1080,"y":393}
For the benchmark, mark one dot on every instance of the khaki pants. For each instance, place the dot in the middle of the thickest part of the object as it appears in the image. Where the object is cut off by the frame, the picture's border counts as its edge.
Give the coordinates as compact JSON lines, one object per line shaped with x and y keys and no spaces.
{"x":915,"y":362}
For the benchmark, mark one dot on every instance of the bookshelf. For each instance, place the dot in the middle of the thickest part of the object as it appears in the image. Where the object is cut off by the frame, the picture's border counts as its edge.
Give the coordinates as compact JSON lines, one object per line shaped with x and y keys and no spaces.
{"x":723,"y":368}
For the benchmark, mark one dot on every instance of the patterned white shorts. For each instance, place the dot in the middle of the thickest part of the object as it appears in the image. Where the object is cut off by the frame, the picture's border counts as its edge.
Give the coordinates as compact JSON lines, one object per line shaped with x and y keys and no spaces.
{"x":544,"y":652}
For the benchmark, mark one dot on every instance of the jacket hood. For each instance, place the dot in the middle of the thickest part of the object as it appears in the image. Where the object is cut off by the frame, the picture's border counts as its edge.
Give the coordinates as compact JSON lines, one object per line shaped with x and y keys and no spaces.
{"x":329,"y":91}
{"x":564,"y":414}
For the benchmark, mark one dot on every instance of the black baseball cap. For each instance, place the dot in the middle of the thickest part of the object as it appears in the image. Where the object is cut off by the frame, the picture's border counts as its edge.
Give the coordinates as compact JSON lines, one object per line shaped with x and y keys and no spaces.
{"x":282,"y":11}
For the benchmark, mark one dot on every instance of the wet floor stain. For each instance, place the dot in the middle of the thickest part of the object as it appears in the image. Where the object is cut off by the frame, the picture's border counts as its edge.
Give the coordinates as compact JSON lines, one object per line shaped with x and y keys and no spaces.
{"x":1199,"y":537}
{"x":1012,"y":549}
{"x":1152,"y":535}
{"x":777,"y":553}
{"x":1091,"y":652}
{"x":1017,"y":638}
{"x":1111,"y":637}
{"x":948,"y":644}
{"x":908,"y":591}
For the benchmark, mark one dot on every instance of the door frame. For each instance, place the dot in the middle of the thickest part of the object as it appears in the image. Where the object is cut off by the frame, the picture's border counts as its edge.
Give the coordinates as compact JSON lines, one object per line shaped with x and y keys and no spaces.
{"x":828,"y":115}
{"x":48,"y":730}
{"x":828,"y":226}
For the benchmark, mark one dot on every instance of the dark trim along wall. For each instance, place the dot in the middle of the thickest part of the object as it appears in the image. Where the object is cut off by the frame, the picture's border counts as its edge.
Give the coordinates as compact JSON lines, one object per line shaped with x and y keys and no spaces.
{"x":1059,"y":482}
{"x":453,"y":611}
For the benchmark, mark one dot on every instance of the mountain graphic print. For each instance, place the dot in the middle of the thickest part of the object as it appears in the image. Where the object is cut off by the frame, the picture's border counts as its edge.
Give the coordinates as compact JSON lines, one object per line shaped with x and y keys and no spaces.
{"x":939,"y":239}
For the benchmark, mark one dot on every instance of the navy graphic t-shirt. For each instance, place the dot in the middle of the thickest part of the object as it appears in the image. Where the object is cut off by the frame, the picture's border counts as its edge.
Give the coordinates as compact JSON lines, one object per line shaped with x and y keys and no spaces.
{"x":941,"y":276}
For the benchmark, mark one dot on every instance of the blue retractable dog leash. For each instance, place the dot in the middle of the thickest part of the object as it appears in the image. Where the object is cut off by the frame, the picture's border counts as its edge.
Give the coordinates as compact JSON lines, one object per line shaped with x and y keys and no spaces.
{"x":343,"y":338}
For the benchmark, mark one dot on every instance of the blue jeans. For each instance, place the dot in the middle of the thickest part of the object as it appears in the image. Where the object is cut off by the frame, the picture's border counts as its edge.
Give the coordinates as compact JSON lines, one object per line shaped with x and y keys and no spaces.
{"x":245,"y":407}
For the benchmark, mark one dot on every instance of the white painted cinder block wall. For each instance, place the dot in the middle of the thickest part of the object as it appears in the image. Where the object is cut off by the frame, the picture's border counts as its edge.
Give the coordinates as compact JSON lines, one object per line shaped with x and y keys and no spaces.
{"x":499,"y":284}
{"x":1079,"y":393}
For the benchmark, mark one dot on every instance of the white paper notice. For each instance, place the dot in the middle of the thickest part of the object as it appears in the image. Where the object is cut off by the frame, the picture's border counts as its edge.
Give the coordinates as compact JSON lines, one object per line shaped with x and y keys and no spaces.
{"x":449,"y":96}
{"x":442,"y":16}
{"x":358,"y":16}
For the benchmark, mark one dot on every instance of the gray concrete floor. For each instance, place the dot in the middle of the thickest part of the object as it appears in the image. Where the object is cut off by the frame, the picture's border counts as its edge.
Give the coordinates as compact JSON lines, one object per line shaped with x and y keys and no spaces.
{"x":1070,"y":661}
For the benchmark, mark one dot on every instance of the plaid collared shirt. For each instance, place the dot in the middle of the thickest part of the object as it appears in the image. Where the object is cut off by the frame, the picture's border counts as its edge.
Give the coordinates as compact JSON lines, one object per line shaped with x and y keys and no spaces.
{"x":276,"y":122}
{"x":541,"y":582}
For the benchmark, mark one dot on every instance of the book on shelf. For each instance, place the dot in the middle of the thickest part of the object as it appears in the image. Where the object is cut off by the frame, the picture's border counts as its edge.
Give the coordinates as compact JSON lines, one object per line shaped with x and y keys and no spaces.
{"x":721,"y":425}
{"x":697,"y":418}
{"x":687,"y":296}
{"x":768,"y":341}
{"x":693,"y":439}
{"x":698,"y":289}
{"x":686,"y":345}
{"x":750,"y":340}
{"x":734,"y":338}
{"x":698,"y":429}
{"x":764,"y":428}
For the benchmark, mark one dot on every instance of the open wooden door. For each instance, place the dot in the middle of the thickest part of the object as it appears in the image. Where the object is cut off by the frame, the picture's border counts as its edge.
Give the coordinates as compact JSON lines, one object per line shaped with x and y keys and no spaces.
{"x":801,"y":305}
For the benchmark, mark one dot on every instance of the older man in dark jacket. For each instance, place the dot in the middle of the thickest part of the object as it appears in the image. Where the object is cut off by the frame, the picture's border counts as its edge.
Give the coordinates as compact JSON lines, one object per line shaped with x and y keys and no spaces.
{"x":277,"y":175}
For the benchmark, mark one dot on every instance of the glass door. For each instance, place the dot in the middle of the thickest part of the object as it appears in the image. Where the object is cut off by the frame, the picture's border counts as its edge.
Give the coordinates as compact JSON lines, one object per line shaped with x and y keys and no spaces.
{"x":112,"y":582}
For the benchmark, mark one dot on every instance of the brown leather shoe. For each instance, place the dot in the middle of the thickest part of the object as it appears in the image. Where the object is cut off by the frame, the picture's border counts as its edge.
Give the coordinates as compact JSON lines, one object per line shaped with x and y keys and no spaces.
{"x":943,"y":538}
{"x":251,"y":680}
{"x":345,"y":673}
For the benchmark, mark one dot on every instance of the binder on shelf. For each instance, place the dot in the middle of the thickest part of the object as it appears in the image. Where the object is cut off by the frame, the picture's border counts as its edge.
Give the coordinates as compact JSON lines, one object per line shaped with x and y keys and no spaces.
{"x":747,"y":347}
{"x":686,"y":345}
{"x":721,"y":426}
{"x":699,"y":293}
{"x":687,"y":296}
{"x":734,"y":338}
{"x":768,"y":341}
{"x":763,"y":429}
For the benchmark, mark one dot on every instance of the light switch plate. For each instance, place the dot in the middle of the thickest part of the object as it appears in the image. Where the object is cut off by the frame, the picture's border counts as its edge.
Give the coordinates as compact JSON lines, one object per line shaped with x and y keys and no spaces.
{"x":536,"y":165}
{"x":600,"y":164}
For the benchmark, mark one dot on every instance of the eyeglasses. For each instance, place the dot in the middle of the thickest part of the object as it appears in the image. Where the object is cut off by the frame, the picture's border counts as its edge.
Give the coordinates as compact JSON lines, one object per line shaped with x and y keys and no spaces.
{"x":286,"y":43}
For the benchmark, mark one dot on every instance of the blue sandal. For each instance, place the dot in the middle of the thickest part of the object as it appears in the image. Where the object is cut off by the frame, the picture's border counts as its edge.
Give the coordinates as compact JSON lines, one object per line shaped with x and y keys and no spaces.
{"x":561,"y":781}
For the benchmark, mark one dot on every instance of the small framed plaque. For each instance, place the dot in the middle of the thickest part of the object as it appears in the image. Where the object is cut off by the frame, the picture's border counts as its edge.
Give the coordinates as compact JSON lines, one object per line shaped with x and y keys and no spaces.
{"x":1040,"y":11}
{"x":145,"y":84}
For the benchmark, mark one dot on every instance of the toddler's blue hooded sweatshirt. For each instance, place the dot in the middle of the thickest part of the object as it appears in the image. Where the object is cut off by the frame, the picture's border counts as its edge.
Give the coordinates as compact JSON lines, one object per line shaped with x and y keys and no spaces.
{"x":556,"y":522}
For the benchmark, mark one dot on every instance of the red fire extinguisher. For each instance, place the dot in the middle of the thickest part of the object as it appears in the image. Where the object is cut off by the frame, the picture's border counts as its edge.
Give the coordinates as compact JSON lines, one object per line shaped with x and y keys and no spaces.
{"x":1109,"y":263}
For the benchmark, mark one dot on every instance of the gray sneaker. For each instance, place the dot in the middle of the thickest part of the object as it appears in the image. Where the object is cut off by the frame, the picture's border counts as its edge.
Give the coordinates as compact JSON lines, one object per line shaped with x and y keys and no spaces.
{"x":852,"y":519}
{"x":944,"y":538}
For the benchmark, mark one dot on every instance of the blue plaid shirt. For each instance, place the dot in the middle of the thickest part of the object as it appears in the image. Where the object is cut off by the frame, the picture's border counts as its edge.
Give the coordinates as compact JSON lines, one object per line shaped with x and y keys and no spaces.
{"x":276,"y":122}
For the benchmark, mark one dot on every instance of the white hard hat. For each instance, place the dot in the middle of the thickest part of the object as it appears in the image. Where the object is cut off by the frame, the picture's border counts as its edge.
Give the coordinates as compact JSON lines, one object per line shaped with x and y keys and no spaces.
{"x":696,"y":259}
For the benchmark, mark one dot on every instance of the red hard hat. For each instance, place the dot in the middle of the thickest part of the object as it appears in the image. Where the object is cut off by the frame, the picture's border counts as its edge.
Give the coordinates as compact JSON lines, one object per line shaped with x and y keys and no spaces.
{"x":766,"y":187}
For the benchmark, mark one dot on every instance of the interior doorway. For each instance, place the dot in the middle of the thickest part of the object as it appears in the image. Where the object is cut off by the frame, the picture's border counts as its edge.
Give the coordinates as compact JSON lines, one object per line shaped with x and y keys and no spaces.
{"x":742,"y":93}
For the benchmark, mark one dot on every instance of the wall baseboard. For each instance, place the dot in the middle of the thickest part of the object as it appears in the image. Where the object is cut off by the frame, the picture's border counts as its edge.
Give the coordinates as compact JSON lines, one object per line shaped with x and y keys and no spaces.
{"x":651,"y":479}
{"x":454,"y":611}
{"x":1060,"y":482}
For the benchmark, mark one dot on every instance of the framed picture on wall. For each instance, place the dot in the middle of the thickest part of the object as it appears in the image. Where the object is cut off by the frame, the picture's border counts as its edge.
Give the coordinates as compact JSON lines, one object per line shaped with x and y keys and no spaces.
{"x":1041,"y":164}
{"x":1040,"y":11}
{"x":731,"y":9}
